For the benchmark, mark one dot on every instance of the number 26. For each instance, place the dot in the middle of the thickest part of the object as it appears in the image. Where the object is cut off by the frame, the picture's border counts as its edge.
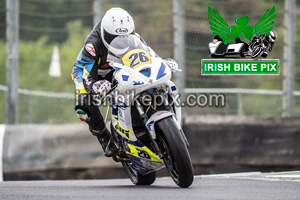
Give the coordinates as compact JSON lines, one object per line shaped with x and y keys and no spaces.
{"x":138,"y":58}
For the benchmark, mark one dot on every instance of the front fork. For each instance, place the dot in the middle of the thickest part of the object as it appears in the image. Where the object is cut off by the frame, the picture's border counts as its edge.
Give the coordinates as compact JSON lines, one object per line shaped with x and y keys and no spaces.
{"x":170,"y":109}
{"x":144,"y":118}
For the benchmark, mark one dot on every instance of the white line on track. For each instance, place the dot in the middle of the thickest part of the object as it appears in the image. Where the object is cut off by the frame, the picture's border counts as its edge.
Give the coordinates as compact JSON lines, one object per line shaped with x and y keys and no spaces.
{"x":276,"y":176}
{"x":2,"y":132}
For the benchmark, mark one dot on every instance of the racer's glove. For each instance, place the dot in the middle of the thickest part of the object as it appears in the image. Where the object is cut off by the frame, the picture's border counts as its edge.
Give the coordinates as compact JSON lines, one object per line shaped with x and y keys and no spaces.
{"x":102,"y":87}
{"x":172,"y":65}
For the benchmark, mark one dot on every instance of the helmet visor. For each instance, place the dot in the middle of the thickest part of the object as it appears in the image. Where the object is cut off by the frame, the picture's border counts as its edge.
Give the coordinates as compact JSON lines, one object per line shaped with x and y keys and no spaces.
{"x":120,"y":45}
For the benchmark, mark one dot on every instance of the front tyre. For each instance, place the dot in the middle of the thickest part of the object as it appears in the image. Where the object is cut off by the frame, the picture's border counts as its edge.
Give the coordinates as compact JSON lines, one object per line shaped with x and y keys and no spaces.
{"x":257,"y":50}
{"x":137,"y":178}
{"x":176,"y":156}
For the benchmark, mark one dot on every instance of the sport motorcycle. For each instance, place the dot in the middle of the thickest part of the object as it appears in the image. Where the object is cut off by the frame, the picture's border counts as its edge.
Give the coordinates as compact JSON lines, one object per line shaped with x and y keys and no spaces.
{"x":145,"y":119}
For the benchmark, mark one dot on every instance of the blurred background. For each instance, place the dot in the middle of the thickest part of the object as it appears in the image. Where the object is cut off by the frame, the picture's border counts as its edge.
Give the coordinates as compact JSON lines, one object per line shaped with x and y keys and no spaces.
{"x":51,"y":33}
{"x":44,"y":24}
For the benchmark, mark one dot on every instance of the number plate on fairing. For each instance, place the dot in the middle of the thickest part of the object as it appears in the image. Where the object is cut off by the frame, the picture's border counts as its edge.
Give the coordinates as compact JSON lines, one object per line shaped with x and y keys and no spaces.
{"x":136,"y":58}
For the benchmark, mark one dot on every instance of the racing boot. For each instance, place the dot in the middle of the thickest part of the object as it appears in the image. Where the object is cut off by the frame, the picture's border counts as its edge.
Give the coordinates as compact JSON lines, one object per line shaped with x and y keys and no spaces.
{"x":107,"y":142}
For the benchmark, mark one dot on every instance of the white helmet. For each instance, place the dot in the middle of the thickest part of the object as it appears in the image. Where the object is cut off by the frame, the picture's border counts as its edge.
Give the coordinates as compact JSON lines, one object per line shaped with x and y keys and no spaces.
{"x":272,"y":36}
{"x":115,"y":22}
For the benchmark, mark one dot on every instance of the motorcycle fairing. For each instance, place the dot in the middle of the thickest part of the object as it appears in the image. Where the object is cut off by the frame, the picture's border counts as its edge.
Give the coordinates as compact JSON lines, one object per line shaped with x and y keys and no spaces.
{"x":145,"y":161}
{"x":144,"y":166}
{"x":140,"y":70}
{"x":156,"y":73}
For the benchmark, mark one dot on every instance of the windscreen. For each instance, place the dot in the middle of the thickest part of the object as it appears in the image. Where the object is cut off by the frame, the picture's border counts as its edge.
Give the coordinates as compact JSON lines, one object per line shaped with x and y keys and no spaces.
{"x":120,"y":45}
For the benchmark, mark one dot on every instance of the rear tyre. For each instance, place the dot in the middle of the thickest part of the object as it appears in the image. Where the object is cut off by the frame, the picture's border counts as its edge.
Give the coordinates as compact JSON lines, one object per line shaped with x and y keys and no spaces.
{"x":177,"y":158}
{"x":137,"y":178}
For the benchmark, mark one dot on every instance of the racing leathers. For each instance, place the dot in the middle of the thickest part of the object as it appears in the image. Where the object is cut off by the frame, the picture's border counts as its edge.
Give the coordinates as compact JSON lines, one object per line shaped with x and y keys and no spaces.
{"x":266,"y":41}
{"x":91,"y":65}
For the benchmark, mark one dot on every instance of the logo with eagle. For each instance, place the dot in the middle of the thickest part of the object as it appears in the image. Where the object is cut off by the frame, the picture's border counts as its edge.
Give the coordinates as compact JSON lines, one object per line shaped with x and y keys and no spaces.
{"x":261,"y":37}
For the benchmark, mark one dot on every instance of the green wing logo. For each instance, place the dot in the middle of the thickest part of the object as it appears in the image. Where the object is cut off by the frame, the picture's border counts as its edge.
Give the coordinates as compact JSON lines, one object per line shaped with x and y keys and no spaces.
{"x":219,"y":26}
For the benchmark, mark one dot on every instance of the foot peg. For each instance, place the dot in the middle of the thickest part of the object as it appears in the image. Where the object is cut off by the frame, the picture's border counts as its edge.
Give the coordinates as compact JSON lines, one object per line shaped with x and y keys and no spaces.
{"x":120,"y":157}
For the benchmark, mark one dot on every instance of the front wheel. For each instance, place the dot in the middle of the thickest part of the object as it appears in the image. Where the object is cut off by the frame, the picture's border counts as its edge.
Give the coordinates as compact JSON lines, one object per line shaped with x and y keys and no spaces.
{"x":176,"y":156}
{"x":137,"y":178}
{"x":257,"y":50}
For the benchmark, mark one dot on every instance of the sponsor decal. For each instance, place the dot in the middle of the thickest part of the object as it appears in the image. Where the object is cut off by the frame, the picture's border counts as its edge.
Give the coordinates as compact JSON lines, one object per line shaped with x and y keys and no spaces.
{"x":162,"y":112}
{"x":138,"y":83}
{"x":123,"y":131}
{"x":90,"y":48}
{"x":121,"y":30}
{"x":120,"y":115}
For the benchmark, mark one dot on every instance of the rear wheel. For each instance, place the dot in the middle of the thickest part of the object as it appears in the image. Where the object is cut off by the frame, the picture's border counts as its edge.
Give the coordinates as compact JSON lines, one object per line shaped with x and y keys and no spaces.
{"x":137,"y":178}
{"x":176,"y":156}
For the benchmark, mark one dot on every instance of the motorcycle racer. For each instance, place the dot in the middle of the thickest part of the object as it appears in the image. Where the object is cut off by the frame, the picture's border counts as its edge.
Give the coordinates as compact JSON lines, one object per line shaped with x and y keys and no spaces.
{"x":267,"y":41}
{"x":92,"y":73}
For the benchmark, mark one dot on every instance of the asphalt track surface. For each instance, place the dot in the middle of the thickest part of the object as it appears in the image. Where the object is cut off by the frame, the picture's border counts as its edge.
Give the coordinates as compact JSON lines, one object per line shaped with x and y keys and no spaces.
{"x":205,"y":187}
